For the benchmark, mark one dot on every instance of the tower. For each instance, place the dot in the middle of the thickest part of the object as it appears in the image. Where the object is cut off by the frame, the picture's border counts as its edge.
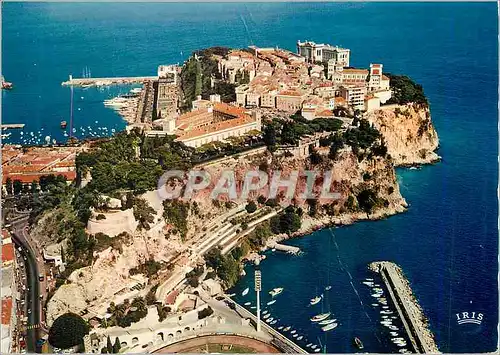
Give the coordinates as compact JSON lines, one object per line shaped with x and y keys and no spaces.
{"x":258,"y":287}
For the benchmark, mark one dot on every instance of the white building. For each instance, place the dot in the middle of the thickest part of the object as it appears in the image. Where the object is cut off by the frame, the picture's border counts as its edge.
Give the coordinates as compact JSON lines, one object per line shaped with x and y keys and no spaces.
{"x":354,"y":96}
{"x":315,"y":52}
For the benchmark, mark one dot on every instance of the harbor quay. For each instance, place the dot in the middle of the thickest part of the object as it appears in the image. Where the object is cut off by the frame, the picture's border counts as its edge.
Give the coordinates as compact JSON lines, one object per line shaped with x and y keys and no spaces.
{"x":87,"y":82}
{"x":410,"y":312}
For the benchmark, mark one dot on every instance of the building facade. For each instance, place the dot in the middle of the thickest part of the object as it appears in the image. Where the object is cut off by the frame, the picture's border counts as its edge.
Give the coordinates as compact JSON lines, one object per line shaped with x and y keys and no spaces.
{"x":315,"y":52}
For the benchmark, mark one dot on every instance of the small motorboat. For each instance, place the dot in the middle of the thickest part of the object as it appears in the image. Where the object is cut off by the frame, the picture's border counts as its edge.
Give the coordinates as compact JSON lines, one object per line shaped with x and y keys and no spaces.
{"x":271,"y":302}
{"x":276,"y":291}
{"x":308,"y":345}
{"x":300,"y":338}
{"x":315,"y":300}
{"x":314,"y":346}
{"x":320,"y":317}
{"x":247,"y":303}
{"x":293,"y":331}
{"x":328,"y":288}
{"x":287,"y":329}
{"x":295,"y":335}
{"x":358,"y":343}
{"x":266,"y":311}
{"x":245,"y":291}
{"x":273,"y":322}
{"x":327,"y":321}
{"x":266,"y":316}
{"x":317,"y":350}
{"x":280,"y":327}
{"x":63,"y":124}
{"x":329,"y":327}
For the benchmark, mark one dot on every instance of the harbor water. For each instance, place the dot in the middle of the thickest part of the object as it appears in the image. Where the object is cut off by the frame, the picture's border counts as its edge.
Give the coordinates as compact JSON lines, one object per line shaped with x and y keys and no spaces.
{"x":447,"y":242}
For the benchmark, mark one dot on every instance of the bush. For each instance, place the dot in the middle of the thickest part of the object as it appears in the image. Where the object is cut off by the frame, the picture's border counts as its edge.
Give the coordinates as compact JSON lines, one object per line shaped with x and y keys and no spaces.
{"x":67,"y":331}
{"x":251,"y":207}
{"x":204,"y":313}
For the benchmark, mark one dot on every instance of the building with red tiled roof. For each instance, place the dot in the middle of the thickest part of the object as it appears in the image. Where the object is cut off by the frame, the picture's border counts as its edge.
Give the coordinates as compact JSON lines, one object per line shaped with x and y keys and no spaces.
{"x":215,"y":123}
{"x":6,"y":310}
{"x":7,"y":254}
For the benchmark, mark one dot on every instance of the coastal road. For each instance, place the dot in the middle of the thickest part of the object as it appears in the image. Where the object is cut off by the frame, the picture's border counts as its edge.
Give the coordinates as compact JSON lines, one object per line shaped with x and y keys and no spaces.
{"x":20,"y":238}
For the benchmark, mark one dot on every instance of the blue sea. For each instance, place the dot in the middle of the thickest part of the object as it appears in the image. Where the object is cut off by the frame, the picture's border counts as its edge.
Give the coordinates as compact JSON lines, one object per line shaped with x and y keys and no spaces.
{"x":447,"y":242}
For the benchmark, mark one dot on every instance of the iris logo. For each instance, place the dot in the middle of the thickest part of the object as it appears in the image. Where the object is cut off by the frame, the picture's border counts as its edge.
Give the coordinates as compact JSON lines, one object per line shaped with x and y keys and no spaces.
{"x":472,"y":317}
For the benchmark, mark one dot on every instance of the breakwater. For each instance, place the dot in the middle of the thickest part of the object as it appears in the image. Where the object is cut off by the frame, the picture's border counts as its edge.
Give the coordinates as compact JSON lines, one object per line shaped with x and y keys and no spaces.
{"x":410,"y":312}
{"x":107,"y":81}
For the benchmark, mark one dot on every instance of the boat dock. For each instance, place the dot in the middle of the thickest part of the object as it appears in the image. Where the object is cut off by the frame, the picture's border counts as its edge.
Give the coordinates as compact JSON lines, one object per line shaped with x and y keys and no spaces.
{"x":87,"y":82}
{"x":286,"y":248}
{"x":12,"y":125}
{"x":410,"y":313}
{"x":281,"y":341}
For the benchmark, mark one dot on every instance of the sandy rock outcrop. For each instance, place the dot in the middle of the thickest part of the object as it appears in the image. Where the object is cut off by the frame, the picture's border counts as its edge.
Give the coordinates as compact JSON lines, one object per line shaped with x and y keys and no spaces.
{"x":408,"y":133}
{"x":114,"y":223}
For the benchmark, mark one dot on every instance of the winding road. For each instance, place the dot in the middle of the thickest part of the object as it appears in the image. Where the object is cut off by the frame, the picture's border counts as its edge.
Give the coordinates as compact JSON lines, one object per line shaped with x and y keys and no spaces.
{"x":20,"y":237}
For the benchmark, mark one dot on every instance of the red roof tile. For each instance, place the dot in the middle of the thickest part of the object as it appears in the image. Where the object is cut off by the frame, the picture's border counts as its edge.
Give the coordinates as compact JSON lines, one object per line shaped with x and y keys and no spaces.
{"x":7,"y":252}
{"x":6,"y":310}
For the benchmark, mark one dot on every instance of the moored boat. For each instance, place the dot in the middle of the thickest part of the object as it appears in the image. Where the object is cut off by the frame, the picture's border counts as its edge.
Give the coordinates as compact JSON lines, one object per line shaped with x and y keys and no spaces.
{"x":320,"y":317}
{"x":276,"y":291}
{"x":358,"y":343}
{"x":327,"y":321}
{"x":271,"y":302}
{"x":245,"y":291}
{"x":329,"y":327}
{"x":315,"y":300}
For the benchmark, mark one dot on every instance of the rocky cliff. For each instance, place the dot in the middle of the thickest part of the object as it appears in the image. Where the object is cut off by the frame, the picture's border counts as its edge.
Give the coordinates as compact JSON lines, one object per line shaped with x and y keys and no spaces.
{"x":408,"y":133}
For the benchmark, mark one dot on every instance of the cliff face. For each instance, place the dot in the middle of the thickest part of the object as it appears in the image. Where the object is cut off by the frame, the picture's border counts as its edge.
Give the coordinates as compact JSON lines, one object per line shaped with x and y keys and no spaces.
{"x":408,"y":133}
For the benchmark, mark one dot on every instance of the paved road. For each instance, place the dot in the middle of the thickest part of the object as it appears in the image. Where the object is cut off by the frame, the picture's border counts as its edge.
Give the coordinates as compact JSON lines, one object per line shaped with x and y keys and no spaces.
{"x":33,"y":295}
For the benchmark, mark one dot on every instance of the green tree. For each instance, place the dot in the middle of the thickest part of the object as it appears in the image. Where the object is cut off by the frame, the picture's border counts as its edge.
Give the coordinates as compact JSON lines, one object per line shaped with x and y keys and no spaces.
{"x":8,"y":186}
{"x":18,"y":187}
{"x":143,"y":213}
{"x":251,"y":207}
{"x":67,"y":331}
{"x":116,"y":346}
{"x":109,"y":345}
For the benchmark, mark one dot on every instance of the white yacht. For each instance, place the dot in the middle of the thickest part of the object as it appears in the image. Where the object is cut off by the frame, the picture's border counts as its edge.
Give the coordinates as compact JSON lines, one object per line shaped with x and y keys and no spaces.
{"x":320,"y":317}
{"x":327,"y":321}
{"x":328,"y":327}
{"x":271,"y":302}
{"x":245,"y":291}
{"x":276,"y":291}
{"x":315,"y":300}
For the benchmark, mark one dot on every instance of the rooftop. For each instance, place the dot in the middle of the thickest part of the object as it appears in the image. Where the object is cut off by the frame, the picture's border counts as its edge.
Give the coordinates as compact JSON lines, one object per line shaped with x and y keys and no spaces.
{"x":6,"y":310}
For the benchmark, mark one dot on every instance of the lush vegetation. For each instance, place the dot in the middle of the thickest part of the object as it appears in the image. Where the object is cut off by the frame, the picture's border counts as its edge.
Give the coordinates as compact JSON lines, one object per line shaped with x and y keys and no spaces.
{"x":67,"y":331}
{"x":112,"y":348}
{"x":284,"y":132}
{"x":365,"y":141}
{"x":226,"y":267}
{"x":194,"y":275}
{"x":405,"y":90}
{"x":205,"y":312}
{"x":176,"y":213}
{"x":287,"y":222}
{"x":149,"y":268}
{"x":131,"y":162}
{"x":123,"y":315}
{"x":143,"y":213}
{"x":198,"y":75}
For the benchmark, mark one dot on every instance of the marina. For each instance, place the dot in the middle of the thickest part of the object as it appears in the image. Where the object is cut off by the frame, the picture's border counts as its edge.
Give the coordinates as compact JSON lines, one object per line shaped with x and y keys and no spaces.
{"x":410,"y":313}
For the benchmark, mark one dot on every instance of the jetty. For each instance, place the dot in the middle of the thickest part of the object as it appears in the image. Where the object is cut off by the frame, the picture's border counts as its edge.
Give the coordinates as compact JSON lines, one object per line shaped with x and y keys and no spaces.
{"x":12,"y":125}
{"x":87,"y":82}
{"x":410,"y":313}
{"x":290,"y":249}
